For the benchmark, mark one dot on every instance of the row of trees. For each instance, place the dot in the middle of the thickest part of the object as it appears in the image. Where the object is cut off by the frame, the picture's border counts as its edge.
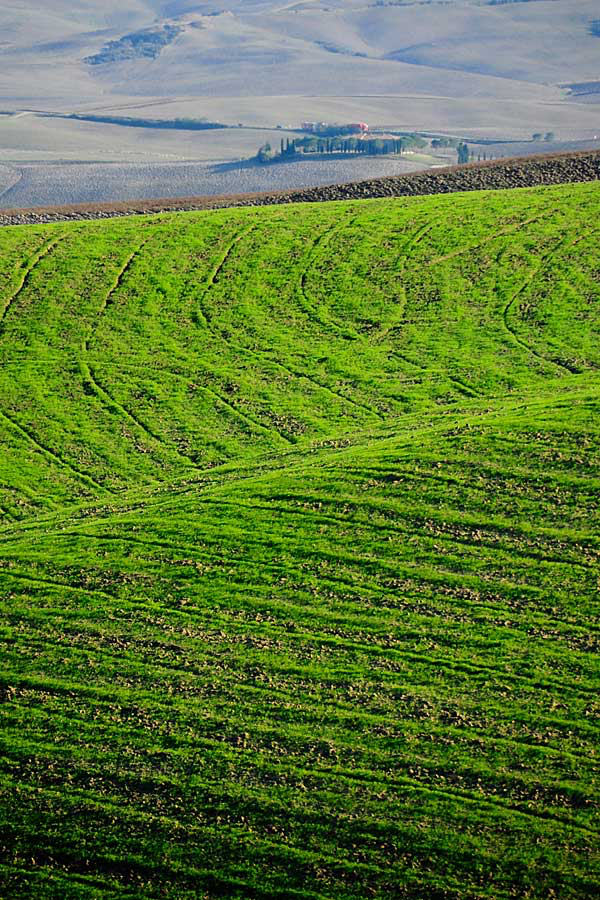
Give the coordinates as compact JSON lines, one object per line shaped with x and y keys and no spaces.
{"x":128,"y":121}
{"x":345,"y":145}
{"x":465,"y":155}
{"x":298,"y":147}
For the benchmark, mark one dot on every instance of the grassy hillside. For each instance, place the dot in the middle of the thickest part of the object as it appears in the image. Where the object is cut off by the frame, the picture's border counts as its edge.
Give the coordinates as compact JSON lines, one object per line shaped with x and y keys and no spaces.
{"x":300,"y":551}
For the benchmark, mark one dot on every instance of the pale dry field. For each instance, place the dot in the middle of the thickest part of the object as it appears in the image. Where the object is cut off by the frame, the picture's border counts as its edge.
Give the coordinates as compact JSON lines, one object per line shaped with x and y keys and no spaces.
{"x":460,"y":67}
{"x":52,"y":184}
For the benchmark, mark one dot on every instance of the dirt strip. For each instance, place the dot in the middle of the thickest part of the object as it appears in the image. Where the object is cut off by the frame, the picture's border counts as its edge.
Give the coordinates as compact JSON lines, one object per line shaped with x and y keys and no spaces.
{"x":564,"y":168}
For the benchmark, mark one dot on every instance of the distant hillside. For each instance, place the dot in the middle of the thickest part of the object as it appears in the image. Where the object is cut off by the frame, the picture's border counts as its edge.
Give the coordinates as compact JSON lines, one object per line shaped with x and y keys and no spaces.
{"x":146,"y":44}
{"x":421,"y":65}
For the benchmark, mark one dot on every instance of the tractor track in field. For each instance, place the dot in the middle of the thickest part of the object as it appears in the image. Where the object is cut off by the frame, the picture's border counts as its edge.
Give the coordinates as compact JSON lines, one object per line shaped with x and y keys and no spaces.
{"x":379,"y":335}
{"x":409,"y":529}
{"x":544,"y":262}
{"x":105,"y":698}
{"x":238,"y":414}
{"x":41,"y":254}
{"x":303,"y":376}
{"x":308,"y":306}
{"x":91,"y":379}
{"x":46,"y":248}
{"x":204,"y":554}
{"x":418,"y":784}
{"x":463,"y":664}
{"x":201,"y":314}
{"x":509,"y":229}
{"x":202,"y":317}
{"x":340,"y":617}
{"x":307,"y":302}
{"x":413,"y":240}
{"x":52,"y":456}
{"x":357,"y":774}
{"x":24,"y":432}
{"x":463,"y":388}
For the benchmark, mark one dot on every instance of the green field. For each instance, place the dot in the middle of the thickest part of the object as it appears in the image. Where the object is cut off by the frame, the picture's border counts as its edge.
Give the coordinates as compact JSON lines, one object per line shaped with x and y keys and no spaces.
{"x":300,"y":552}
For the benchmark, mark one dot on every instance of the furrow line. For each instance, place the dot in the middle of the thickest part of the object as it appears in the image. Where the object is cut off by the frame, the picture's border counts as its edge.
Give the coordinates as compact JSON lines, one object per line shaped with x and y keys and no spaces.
{"x":432,"y":377}
{"x":92,"y":380}
{"x":309,"y":308}
{"x":363,"y":776}
{"x":415,"y":238}
{"x":44,"y":251}
{"x":306,"y":301}
{"x":244,"y":417}
{"x":345,"y":714}
{"x":544,"y":262}
{"x":469,"y":797}
{"x":463,"y":666}
{"x":382,"y":333}
{"x":510,"y":229}
{"x":201,"y":313}
{"x":201,"y":317}
{"x":52,"y":456}
{"x":34,"y":579}
{"x":410,"y":530}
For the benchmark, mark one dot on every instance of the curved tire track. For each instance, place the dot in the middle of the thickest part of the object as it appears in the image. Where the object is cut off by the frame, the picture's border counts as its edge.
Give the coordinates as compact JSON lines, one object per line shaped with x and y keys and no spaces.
{"x":312,"y":314}
{"x":510,"y":229}
{"x":202,"y":317}
{"x":307,"y":302}
{"x":89,"y":376}
{"x":415,"y":238}
{"x":44,"y":251}
{"x":545,"y":261}
{"x":52,"y":456}
{"x":49,"y":454}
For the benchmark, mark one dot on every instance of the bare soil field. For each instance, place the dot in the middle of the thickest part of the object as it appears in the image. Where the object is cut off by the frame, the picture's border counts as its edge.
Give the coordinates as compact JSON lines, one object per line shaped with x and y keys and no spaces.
{"x":496,"y":175}
{"x":8,"y":178}
{"x":49,"y":184}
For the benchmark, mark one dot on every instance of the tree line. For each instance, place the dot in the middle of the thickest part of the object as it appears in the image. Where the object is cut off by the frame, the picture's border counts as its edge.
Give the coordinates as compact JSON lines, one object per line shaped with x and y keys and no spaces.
{"x":339,"y":145}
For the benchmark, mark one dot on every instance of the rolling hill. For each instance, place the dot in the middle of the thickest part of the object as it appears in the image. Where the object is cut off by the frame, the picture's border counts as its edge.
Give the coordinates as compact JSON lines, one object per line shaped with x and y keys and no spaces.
{"x":300,"y":550}
{"x":459,"y":65}
{"x":479,"y":70}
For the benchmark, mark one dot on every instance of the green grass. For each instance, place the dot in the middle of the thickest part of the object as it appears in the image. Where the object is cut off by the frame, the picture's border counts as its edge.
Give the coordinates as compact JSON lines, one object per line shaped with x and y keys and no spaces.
{"x":300,"y":552}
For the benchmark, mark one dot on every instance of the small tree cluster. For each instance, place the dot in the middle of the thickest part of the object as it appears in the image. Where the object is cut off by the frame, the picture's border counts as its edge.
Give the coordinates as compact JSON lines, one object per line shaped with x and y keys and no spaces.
{"x":436,"y":143}
{"x":340,"y":144}
{"x":463,"y":153}
{"x":265,"y":154}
